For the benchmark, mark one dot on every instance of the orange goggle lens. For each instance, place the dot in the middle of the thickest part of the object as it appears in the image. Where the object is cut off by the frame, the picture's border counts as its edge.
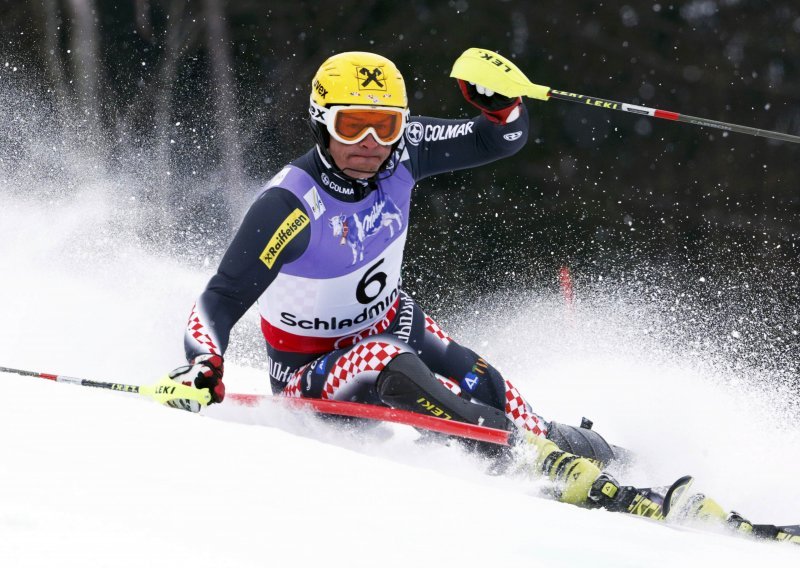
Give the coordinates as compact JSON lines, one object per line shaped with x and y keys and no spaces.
{"x":351,"y":124}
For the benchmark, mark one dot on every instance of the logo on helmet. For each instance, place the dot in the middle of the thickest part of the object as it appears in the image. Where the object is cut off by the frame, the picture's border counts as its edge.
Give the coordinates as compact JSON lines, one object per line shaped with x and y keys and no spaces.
{"x":371,"y":79}
{"x":320,"y":89}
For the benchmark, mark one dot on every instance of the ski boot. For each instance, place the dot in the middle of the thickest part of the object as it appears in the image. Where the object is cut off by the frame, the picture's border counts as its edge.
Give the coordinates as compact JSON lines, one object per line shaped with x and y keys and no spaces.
{"x":652,"y":503}
{"x":578,"y":480}
{"x":572,"y":475}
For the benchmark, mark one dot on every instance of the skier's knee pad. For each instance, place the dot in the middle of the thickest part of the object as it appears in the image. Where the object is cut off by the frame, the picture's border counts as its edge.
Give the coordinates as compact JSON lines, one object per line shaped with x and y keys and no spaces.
{"x":583,"y":442}
{"x":407,"y":383}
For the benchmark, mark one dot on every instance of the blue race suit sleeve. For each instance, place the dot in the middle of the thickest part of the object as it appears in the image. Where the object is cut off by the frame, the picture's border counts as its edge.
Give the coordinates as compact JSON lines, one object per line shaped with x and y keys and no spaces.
{"x":242,"y":275}
{"x":438,"y":145}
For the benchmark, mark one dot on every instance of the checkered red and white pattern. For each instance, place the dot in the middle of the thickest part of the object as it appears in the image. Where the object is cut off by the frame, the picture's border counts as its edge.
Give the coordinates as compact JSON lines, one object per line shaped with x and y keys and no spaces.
{"x":432,"y":327}
{"x":299,"y":293}
{"x":451,"y":385}
{"x":197,"y":331}
{"x":294,"y":387}
{"x":367,"y":356}
{"x":518,"y":411}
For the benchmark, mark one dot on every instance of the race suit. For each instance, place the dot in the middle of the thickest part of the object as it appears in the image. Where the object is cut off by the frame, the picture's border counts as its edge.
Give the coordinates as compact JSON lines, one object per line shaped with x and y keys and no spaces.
{"x":321,"y":253}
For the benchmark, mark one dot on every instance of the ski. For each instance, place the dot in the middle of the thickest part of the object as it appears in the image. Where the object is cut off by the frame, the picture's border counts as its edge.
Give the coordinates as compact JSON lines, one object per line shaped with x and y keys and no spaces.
{"x":785,"y":533}
{"x":789,"y":533}
{"x":677,"y":505}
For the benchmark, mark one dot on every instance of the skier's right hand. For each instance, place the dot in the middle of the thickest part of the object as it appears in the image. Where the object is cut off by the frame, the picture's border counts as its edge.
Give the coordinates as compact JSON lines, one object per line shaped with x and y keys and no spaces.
{"x":496,"y":107}
{"x":204,"y":372}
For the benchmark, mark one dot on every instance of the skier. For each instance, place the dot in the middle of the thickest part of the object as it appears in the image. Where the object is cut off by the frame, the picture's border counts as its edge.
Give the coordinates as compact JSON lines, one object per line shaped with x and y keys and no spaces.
{"x":321,"y":249}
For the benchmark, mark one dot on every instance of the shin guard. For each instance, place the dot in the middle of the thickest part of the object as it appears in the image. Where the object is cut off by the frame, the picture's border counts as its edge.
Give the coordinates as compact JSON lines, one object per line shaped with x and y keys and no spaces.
{"x":406,"y":383}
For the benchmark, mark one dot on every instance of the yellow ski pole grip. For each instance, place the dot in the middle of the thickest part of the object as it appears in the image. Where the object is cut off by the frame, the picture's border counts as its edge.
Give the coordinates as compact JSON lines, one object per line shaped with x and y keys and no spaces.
{"x":166,"y":390}
{"x":492,"y":70}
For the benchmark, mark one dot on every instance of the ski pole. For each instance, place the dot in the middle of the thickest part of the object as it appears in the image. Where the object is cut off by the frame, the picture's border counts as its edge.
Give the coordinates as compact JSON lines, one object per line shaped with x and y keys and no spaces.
{"x":163,"y":391}
{"x":473,"y":63}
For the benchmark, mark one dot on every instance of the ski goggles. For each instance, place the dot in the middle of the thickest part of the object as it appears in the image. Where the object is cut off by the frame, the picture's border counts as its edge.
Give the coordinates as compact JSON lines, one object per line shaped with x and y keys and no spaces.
{"x":350,"y":124}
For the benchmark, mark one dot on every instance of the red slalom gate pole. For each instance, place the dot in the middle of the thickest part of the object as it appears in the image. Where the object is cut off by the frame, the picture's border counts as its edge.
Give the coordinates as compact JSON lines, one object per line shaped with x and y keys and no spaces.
{"x":373,"y":412}
{"x":565,"y":282}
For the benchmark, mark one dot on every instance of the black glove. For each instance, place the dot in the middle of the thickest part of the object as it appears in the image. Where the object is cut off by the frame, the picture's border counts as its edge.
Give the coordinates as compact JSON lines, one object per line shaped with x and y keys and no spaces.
{"x":204,"y":372}
{"x":497,"y":108}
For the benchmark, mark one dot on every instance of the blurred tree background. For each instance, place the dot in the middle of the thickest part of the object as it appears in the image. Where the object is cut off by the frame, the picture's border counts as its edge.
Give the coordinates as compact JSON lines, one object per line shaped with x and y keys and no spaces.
{"x":211,"y":97}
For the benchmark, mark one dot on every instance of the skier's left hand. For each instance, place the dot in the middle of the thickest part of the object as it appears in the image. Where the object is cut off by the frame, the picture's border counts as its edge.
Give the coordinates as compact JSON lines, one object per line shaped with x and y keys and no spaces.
{"x":497,"y":108}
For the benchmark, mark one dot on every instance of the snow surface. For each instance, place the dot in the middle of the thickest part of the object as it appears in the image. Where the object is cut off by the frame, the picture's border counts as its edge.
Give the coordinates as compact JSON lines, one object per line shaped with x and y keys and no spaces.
{"x":94,"y":478}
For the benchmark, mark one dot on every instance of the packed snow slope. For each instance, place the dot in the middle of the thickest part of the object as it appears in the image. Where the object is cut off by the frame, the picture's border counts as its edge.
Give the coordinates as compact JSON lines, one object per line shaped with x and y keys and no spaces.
{"x":95,"y":478}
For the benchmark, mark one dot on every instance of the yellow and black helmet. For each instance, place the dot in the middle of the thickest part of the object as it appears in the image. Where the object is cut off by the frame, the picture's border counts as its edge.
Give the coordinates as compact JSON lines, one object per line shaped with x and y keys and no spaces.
{"x":358,"y":78}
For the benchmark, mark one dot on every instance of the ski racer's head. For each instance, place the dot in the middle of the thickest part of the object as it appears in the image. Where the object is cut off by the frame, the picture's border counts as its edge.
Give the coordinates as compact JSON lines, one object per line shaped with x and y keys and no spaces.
{"x":358,"y":112}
